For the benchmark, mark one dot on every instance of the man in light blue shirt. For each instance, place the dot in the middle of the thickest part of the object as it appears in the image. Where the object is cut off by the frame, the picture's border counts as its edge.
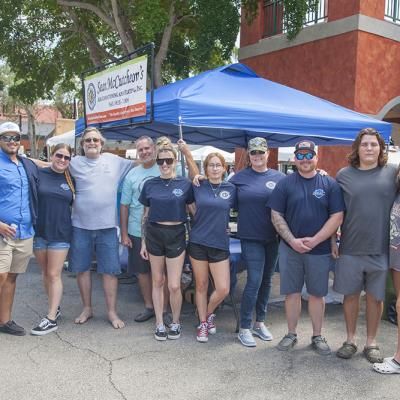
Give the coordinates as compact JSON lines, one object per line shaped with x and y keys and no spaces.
{"x":18,"y":197}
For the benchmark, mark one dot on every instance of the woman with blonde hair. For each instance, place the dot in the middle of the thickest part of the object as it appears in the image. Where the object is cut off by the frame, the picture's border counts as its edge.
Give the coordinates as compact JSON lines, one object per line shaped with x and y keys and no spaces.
{"x":164,"y":236}
{"x":209,"y":241}
{"x":53,"y":230}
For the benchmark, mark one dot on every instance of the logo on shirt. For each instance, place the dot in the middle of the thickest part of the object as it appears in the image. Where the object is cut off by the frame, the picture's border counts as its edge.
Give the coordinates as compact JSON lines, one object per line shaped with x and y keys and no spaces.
{"x":270,"y":185}
{"x":319,"y":193}
{"x":177,"y":192}
{"x":64,"y":186}
{"x":225,"y":195}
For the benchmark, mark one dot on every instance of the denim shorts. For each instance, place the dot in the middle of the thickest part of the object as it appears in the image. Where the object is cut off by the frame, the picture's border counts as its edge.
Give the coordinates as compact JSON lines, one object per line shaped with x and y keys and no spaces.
{"x":42,"y":244}
{"x":102,"y":242}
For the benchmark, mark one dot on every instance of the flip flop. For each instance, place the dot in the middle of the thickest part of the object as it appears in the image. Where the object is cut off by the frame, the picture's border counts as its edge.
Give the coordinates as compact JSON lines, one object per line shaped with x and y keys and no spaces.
{"x":388,"y":366}
{"x":373,"y":354}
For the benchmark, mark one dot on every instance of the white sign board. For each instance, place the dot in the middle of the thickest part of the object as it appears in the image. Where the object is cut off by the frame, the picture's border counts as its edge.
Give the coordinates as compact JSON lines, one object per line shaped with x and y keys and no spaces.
{"x":117,"y":93}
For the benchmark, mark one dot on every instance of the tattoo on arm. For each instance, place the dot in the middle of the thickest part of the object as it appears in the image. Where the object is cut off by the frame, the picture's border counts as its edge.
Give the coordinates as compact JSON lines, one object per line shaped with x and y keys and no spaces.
{"x":281,"y":226}
{"x":144,"y":222}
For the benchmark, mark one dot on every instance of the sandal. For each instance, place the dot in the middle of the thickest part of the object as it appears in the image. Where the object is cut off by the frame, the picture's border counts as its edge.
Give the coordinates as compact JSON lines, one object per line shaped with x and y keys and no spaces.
{"x":388,"y":366}
{"x":373,"y":354}
{"x":347,"y":350}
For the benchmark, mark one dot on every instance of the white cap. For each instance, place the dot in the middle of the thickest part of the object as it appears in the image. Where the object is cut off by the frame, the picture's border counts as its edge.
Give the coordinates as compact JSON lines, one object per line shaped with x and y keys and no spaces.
{"x":9,"y":127}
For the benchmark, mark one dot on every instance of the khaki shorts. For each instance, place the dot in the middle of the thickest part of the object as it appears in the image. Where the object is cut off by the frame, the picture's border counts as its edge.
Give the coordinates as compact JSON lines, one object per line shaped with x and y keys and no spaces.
{"x":15,"y":255}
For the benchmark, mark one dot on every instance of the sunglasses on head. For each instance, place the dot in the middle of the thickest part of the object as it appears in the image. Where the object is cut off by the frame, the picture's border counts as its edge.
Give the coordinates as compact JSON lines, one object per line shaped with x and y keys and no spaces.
{"x":161,"y":161}
{"x":61,"y":156}
{"x":256,"y":152}
{"x":10,"y":138}
{"x":91,"y":139}
{"x":302,"y":156}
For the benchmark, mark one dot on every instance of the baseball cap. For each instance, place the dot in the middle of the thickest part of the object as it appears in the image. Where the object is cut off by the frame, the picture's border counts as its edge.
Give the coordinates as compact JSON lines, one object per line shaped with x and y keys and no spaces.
{"x":305,"y":145}
{"x":9,"y":127}
{"x":257,"y":143}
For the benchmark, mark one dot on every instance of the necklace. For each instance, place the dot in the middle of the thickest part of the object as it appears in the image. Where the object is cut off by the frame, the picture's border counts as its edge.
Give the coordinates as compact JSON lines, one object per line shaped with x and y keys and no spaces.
{"x":215,"y":190}
{"x":166,"y":184}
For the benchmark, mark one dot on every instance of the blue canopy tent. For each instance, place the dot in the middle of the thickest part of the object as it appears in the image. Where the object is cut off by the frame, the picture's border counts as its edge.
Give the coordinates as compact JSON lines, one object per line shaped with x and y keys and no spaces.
{"x":227,"y":106}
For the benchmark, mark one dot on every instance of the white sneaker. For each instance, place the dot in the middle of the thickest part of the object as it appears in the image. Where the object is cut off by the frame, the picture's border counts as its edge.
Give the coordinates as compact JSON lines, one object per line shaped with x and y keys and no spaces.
{"x":262,"y":332}
{"x":246,"y":338}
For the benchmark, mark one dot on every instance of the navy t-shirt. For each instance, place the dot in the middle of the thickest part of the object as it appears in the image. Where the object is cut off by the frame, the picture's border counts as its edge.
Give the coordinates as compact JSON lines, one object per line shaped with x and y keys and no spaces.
{"x":306,"y":204}
{"x":167,"y":198}
{"x":55,"y":200}
{"x":213,"y":204}
{"x":253,"y":192}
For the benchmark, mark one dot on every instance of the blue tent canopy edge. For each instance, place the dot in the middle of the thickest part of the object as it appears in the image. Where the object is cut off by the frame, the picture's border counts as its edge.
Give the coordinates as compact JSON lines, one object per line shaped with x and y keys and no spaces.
{"x":227,"y":106}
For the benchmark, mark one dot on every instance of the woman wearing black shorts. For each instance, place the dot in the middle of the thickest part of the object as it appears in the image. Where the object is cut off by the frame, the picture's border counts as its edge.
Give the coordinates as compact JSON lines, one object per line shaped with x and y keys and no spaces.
{"x":209,"y":241}
{"x":164,"y":236}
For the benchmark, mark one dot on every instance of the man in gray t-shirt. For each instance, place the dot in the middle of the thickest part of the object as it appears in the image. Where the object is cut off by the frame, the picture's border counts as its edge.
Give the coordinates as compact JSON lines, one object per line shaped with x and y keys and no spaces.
{"x":94,"y":222}
{"x":369,"y":189}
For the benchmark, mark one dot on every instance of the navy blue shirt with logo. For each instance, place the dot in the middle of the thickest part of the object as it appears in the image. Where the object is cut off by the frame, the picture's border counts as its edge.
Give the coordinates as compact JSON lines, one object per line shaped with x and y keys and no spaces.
{"x":167,"y":198}
{"x":54,"y":213}
{"x":306,"y":204}
{"x":213,"y":204}
{"x":253,"y":192}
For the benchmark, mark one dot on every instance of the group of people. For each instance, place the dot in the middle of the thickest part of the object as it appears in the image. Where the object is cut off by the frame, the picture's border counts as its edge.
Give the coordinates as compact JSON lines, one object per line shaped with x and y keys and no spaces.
{"x":69,"y":205}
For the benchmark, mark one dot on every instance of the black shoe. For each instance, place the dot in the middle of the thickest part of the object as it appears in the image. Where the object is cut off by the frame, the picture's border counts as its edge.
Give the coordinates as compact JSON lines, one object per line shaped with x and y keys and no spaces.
{"x":160,"y":333}
{"x":45,"y":326}
{"x":174,"y":331}
{"x":12,"y":328}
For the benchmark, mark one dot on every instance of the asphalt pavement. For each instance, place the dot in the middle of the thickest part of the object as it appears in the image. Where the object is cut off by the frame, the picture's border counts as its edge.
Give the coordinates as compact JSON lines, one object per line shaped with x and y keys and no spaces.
{"x":95,"y":361}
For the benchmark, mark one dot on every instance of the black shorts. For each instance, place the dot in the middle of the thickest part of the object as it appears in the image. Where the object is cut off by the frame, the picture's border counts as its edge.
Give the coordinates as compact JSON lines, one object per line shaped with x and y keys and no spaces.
{"x":136,"y":263}
{"x":205,"y":253}
{"x":166,"y":240}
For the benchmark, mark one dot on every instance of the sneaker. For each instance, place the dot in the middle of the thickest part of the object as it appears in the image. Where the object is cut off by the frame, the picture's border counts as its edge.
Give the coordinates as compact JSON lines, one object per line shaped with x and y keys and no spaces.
{"x":320,"y":345}
{"x":246,"y":338}
{"x":202,"y":332}
{"x":160,"y":333}
{"x":262,"y":332}
{"x":12,"y":328}
{"x":287,"y":342}
{"x":45,"y":326}
{"x":58,"y":313}
{"x":174,"y":331}
{"x":212,"y":329}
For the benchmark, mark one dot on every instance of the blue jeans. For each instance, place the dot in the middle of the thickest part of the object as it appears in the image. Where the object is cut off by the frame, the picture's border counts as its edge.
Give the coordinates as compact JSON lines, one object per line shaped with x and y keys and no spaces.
{"x":260,"y":258}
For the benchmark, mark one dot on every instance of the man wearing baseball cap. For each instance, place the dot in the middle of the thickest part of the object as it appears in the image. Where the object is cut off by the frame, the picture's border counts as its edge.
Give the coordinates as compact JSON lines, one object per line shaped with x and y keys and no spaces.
{"x":306,"y":209}
{"x":18,"y":211}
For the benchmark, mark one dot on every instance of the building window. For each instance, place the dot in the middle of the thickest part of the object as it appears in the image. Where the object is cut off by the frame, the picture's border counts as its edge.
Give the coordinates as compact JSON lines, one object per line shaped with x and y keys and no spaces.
{"x":274,"y":11}
{"x":392,"y":11}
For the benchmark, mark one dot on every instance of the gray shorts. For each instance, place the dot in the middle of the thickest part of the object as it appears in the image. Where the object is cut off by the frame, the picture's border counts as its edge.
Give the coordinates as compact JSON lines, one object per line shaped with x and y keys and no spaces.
{"x":356,"y":273}
{"x":137,"y":264}
{"x":296,"y":269}
{"x":394,"y":258}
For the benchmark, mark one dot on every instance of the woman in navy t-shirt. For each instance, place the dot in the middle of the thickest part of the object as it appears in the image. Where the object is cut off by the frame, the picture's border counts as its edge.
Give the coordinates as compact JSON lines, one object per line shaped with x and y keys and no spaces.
{"x":209,"y":241}
{"x":164,"y":236}
{"x":53,"y":230}
{"x":258,"y":239}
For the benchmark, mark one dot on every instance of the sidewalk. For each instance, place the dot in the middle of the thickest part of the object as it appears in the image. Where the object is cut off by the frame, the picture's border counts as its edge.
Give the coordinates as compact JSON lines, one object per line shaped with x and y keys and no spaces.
{"x":94,"y":361}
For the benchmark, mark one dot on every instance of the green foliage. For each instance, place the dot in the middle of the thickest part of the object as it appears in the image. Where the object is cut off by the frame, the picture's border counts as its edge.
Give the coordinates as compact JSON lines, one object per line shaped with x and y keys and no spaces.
{"x":295,"y":14}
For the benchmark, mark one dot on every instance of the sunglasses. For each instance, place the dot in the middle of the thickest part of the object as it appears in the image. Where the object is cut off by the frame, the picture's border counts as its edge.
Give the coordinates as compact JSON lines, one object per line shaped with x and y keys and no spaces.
{"x":302,"y":156}
{"x":91,"y":139}
{"x":10,"y":138}
{"x":61,"y":156}
{"x":256,"y":152}
{"x":161,"y":161}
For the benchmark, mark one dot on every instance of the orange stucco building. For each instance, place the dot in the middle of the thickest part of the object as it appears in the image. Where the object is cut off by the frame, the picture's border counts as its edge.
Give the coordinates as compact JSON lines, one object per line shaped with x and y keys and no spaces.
{"x":349,"y":54}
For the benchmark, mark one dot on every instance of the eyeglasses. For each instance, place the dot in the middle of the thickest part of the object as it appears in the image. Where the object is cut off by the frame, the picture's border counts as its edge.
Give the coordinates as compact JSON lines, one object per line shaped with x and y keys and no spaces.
{"x":256,"y":152}
{"x":161,"y":161}
{"x":10,"y":138}
{"x":302,"y":156}
{"x":91,"y":139}
{"x":214,"y":166}
{"x":61,"y":156}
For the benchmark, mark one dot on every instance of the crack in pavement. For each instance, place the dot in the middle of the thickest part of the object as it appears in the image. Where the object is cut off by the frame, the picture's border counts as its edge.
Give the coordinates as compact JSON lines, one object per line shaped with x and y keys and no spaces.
{"x":110,"y":362}
{"x":28,"y":353}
